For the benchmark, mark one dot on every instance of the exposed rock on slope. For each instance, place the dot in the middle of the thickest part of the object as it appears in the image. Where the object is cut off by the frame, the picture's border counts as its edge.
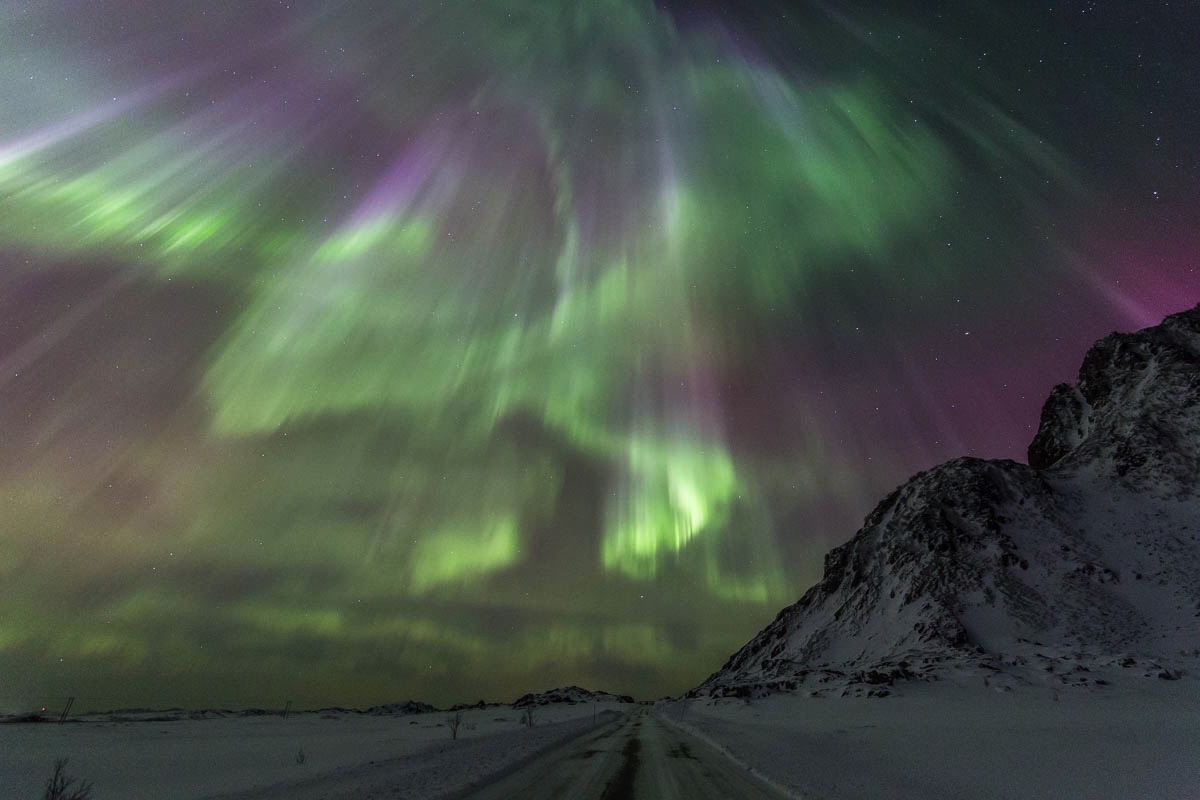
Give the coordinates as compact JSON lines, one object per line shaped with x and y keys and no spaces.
{"x":1134,"y":412}
{"x":1083,"y":567}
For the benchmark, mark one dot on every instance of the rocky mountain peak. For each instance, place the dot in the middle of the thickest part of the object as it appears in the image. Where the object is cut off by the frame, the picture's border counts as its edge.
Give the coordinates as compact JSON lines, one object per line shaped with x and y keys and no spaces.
{"x":1135,"y":409}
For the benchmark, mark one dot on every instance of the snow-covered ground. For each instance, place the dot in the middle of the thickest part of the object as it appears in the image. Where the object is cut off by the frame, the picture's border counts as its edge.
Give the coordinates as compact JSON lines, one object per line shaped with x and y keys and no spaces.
{"x":345,"y":754}
{"x":1140,"y":740}
{"x":946,"y":742}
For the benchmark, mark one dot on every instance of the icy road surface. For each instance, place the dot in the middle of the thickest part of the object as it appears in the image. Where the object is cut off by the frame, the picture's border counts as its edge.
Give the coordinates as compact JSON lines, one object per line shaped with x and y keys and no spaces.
{"x":638,"y":757}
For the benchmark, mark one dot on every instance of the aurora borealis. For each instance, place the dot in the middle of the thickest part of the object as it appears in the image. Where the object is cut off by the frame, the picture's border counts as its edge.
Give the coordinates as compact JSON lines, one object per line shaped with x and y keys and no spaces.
{"x":364,"y":351}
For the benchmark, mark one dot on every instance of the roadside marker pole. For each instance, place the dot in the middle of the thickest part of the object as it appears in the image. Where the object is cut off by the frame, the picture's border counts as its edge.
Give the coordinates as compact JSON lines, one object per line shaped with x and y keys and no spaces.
{"x":66,"y":710}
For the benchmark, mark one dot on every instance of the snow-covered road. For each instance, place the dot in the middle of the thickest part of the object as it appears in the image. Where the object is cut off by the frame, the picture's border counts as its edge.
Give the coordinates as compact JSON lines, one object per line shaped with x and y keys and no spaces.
{"x":638,"y":757}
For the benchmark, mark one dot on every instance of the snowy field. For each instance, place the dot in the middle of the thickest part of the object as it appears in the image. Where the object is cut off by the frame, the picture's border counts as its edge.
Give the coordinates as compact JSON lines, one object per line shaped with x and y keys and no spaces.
{"x":344,"y":754}
{"x":944,"y":742}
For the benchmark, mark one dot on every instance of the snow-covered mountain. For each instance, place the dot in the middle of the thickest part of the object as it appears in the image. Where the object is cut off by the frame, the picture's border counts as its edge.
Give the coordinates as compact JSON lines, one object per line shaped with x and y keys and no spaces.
{"x":569,"y":695}
{"x":400,"y":709}
{"x":1082,"y":568}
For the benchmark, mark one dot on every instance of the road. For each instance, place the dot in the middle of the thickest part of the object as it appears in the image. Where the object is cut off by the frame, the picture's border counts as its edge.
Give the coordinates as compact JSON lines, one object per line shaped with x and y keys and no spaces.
{"x":640,"y":757}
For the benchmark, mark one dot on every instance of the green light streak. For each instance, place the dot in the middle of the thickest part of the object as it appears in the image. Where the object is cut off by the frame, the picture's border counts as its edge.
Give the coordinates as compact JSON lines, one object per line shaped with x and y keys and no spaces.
{"x":382,"y":316}
{"x":673,"y":494}
{"x":450,"y":556}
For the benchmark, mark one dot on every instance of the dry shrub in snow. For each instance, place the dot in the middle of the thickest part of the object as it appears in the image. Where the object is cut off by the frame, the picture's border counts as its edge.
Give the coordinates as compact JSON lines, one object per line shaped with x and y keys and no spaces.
{"x":60,"y":783}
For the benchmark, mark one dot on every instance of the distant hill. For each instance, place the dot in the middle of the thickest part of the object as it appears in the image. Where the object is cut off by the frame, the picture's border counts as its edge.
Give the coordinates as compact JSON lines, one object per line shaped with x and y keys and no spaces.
{"x":571,"y":695}
{"x":400,"y":709}
{"x":568,"y":694}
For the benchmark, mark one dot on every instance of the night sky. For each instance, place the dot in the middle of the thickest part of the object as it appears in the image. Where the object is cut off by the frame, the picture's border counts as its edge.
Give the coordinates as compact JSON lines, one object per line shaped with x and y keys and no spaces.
{"x":359,"y":351}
